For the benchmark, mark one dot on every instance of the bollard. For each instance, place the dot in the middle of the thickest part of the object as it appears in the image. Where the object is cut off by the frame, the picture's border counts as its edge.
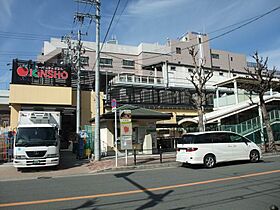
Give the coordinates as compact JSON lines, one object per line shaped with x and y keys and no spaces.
{"x":134,"y":154}
{"x":160,"y":154}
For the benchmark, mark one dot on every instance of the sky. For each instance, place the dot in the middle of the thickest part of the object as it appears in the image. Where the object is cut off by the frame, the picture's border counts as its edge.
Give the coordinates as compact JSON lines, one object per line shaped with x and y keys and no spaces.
{"x":26,"y":24}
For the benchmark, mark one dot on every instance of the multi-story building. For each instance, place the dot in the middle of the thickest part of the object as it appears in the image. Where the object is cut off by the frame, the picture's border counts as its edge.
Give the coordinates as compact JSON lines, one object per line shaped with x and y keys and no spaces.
{"x":153,"y":75}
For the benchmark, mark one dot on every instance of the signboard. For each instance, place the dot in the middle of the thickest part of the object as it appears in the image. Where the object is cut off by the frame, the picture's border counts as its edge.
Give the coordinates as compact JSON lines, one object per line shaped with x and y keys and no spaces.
{"x":126,"y":142}
{"x":125,"y":115}
{"x":33,"y":73}
{"x":126,"y":129}
{"x":114,"y":104}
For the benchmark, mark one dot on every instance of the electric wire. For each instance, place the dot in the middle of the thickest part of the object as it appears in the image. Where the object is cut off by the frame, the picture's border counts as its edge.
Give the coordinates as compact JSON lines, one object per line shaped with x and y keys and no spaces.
{"x":251,"y":20}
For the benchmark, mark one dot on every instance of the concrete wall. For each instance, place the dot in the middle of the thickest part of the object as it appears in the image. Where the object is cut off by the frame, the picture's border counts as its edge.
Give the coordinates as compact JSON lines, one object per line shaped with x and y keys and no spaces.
{"x":229,"y":61}
{"x":33,"y":94}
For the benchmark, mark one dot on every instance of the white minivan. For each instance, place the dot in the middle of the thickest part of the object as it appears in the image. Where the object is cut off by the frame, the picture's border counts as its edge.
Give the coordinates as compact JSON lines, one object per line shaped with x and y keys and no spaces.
{"x":213,"y":147}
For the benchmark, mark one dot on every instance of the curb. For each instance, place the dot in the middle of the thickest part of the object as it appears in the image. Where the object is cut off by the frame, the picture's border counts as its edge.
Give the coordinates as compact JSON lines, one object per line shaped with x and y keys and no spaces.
{"x":159,"y":165}
{"x":139,"y":167}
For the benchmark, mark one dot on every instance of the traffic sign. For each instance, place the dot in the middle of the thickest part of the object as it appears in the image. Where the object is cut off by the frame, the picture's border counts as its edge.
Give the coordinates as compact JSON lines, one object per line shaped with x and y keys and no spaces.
{"x":114,"y":104}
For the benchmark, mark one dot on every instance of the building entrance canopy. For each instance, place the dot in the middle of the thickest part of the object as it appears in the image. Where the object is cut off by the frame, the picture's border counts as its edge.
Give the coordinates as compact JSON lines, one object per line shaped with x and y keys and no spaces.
{"x":137,"y":113}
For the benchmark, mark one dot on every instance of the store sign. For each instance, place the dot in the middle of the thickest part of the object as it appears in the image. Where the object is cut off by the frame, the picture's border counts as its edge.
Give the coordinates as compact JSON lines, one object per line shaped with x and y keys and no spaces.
{"x":126,"y":129}
{"x":33,"y":73}
{"x":42,"y":72}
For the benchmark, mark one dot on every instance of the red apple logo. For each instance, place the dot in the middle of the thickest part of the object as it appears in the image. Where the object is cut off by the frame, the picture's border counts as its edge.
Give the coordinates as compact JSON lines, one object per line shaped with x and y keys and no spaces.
{"x":22,"y":71}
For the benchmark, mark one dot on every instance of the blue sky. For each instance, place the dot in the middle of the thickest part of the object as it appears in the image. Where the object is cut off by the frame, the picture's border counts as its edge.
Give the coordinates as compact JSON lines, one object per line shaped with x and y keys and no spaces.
{"x":25,"y":24}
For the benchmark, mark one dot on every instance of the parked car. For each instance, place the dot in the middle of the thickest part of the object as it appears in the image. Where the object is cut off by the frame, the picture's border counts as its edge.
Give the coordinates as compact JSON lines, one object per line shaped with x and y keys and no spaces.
{"x":213,"y":147}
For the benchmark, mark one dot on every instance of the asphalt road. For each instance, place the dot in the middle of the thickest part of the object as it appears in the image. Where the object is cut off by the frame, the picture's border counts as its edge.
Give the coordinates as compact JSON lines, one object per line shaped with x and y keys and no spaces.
{"x":239,"y":185}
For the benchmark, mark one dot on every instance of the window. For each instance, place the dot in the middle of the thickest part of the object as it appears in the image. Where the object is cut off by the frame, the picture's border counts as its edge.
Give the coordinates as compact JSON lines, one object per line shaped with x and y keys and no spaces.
{"x":178,"y":50}
{"x":190,"y":70}
{"x":84,"y":60}
{"x":187,"y":139}
{"x":203,"y":139}
{"x":234,"y":138}
{"x":128,"y":63}
{"x":173,"y":68}
{"x":220,"y":137}
{"x":231,"y":58}
{"x":106,"y":62}
{"x":215,"y":56}
{"x":221,"y":74}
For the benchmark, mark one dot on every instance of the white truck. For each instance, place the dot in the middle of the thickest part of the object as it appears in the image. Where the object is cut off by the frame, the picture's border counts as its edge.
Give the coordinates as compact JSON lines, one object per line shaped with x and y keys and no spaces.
{"x":37,"y":140}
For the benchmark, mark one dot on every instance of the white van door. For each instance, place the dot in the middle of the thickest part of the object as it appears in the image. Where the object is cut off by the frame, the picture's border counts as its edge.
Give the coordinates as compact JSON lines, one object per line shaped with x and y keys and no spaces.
{"x":222,"y":147}
{"x":241,"y":147}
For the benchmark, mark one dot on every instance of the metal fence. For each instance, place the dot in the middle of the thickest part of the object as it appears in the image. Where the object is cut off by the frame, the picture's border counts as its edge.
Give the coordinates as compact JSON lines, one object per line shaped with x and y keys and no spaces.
{"x":6,"y":146}
{"x":145,"y":156}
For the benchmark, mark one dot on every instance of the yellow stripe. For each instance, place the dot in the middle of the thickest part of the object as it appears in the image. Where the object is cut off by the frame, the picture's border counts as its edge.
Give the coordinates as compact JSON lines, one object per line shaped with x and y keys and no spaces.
{"x":136,"y":191}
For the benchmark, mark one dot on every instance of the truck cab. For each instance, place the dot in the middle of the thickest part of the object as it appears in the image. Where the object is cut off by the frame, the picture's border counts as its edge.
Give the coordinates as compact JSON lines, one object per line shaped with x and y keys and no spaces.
{"x":37,"y":141}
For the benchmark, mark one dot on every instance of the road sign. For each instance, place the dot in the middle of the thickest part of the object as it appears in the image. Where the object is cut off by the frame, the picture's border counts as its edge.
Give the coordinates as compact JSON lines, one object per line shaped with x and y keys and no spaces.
{"x":114,"y":104}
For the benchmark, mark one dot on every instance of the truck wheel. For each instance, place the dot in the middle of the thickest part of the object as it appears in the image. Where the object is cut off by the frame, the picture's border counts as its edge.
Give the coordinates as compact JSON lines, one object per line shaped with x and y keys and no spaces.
{"x":254,"y":156}
{"x":209,"y":161}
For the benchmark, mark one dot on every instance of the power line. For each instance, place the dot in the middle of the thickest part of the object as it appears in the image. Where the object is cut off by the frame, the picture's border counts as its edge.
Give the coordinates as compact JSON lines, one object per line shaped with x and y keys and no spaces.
{"x":223,"y":34}
{"x":249,"y":21}
{"x":112,"y":19}
{"x":126,"y":3}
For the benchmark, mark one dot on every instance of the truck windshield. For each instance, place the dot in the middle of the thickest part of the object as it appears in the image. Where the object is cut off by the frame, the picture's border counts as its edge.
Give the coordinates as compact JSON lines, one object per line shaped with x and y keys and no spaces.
{"x":36,"y":137}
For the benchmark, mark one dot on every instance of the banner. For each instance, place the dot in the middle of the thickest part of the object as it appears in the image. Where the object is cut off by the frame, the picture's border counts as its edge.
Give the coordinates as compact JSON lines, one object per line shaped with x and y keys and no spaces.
{"x":126,"y":129}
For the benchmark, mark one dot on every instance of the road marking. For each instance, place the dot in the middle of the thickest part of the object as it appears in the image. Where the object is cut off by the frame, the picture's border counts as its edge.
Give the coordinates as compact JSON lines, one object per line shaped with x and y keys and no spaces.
{"x":137,"y":191}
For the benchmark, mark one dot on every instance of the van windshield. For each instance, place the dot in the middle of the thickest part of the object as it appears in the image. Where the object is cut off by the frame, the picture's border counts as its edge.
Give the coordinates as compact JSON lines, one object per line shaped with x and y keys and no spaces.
{"x":36,"y":137}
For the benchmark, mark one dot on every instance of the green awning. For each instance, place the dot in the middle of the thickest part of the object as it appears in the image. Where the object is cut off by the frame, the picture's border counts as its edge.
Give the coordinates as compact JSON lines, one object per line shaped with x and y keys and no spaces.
{"x":137,"y":113}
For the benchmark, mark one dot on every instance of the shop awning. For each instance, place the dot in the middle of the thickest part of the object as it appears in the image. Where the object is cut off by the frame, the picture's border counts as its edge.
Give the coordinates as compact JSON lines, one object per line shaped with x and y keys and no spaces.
{"x":137,"y":113}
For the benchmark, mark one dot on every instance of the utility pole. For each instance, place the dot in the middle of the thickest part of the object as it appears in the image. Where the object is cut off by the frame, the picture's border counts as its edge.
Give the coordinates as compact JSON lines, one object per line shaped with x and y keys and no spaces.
{"x":73,"y":57}
{"x":81,"y":17}
{"x":97,"y":86}
{"x":78,"y":112}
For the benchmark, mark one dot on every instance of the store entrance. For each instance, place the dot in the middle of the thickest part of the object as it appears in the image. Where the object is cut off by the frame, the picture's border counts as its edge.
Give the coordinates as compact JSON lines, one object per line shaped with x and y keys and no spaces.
{"x":68,"y":128}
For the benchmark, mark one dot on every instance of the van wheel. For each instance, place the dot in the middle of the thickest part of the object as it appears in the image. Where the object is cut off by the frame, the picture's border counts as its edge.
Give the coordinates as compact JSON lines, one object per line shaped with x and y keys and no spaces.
{"x":209,"y":161}
{"x":254,"y":156}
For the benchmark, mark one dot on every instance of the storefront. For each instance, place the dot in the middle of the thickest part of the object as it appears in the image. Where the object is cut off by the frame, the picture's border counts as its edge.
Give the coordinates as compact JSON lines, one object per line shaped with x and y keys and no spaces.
{"x":144,"y":134}
{"x":41,"y":87}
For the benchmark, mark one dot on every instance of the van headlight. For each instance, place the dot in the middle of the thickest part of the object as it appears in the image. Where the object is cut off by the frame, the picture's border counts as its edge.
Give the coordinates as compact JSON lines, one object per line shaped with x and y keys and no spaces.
{"x":20,"y":157}
{"x":52,"y":155}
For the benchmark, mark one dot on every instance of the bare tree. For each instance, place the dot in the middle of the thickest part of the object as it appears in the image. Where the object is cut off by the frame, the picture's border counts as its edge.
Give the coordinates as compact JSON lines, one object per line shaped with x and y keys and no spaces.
{"x":199,"y":77}
{"x":262,"y":77}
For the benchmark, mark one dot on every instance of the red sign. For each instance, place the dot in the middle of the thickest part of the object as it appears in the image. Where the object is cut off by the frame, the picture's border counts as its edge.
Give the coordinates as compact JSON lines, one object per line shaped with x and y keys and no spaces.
{"x":45,"y":72}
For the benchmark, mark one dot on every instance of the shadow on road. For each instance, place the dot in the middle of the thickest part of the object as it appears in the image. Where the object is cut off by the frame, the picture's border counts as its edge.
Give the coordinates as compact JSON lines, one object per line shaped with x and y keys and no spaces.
{"x":225,"y":164}
{"x":153,"y":199}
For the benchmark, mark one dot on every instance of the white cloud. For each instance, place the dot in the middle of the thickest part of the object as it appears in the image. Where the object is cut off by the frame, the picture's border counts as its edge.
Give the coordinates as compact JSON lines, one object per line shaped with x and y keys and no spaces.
{"x":155,"y":7}
{"x":5,"y":12}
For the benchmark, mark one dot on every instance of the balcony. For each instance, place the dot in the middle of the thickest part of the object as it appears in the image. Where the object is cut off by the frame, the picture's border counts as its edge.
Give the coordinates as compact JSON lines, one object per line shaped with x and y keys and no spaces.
{"x":137,"y":80}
